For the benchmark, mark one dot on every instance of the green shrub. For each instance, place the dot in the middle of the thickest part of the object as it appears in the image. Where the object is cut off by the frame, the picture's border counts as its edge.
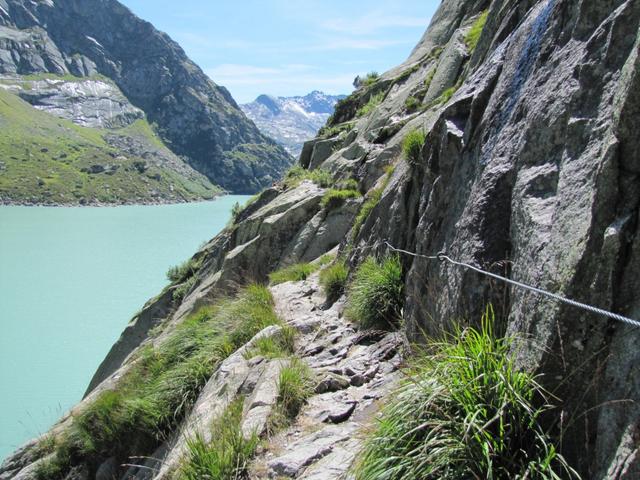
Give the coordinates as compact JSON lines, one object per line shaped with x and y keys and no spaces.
{"x":411,"y":104}
{"x":335,"y":198}
{"x":464,"y":412}
{"x":160,"y":388}
{"x":297,"y":175}
{"x":292,"y":273}
{"x":473,"y":35}
{"x":228,"y":454}
{"x":182,"y":272}
{"x":373,"y":102}
{"x":333,"y":280}
{"x":279,"y":345}
{"x":412,"y":145}
{"x":376,"y":295}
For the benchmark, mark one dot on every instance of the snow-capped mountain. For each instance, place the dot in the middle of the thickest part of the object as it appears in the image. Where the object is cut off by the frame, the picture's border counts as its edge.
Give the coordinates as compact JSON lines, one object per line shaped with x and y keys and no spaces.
{"x":291,"y":120}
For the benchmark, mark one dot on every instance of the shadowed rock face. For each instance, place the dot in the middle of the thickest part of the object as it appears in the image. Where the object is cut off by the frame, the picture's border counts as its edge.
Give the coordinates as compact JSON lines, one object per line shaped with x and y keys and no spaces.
{"x":199,"y":119}
{"x":529,"y":170}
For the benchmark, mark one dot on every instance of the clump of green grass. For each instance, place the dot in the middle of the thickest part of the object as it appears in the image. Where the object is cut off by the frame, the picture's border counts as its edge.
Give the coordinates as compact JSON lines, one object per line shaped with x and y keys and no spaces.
{"x":279,"y":345}
{"x":370,"y":78}
{"x":182,"y":272}
{"x":328,"y":132}
{"x":466,"y":411}
{"x":376,"y":295}
{"x":335,"y":198}
{"x":373,"y":102}
{"x":228,"y":454}
{"x":428,"y":79}
{"x":333,"y":280}
{"x":412,"y":145}
{"x":297,"y":175}
{"x":292,"y":273}
{"x":473,"y":35}
{"x":181,"y":290}
{"x":295,"y":386}
{"x":411,"y":104}
{"x":153,"y":397}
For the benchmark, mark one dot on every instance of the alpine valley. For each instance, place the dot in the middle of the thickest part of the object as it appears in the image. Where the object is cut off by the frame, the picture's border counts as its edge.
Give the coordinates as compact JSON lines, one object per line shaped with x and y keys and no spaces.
{"x":99,"y":107}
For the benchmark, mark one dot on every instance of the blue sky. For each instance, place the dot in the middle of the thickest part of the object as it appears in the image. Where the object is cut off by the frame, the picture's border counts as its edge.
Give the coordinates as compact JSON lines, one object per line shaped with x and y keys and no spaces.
{"x":290,"y":47}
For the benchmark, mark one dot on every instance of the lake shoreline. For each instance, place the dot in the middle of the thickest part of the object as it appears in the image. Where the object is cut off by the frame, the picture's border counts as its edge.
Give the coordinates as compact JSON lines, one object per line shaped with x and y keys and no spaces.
{"x":12,"y":203}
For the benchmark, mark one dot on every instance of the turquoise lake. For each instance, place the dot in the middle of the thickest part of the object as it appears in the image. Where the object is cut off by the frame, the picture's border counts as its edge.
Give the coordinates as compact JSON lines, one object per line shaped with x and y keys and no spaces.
{"x":70,"y":280}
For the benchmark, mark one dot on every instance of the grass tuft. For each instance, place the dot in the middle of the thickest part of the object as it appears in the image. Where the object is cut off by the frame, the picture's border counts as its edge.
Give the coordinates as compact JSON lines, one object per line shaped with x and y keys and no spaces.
{"x":412,"y":146}
{"x":292,"y":273}
{"x":370,"y":78}
{"x":297,"y":174}
{"x":473,"y":36}
{"x":228,"y":454}
{"x":161,"y":387}
{"x":182,"y":272}
{"x":373,"y":102}
{"x":335,"y":198}
{"x":464,"y":412}
{"x":181,"y":290}
{"x":376,"y":295}
{"x":333,"y":280}
{"x":295,"y":386}
{"x":411,"y":104}
{"x":279,"y":345}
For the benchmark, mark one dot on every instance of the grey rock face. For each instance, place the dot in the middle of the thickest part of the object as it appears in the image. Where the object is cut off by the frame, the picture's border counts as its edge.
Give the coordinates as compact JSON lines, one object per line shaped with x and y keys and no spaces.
{"x":198,"y":118}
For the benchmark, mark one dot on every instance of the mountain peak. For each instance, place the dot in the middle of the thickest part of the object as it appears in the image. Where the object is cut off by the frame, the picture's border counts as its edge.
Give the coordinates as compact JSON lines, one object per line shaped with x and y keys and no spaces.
{"x":291,"y":120}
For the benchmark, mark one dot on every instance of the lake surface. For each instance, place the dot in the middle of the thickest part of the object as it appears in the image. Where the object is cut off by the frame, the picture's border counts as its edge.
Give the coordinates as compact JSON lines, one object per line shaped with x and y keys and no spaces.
{"x":70,"y":280}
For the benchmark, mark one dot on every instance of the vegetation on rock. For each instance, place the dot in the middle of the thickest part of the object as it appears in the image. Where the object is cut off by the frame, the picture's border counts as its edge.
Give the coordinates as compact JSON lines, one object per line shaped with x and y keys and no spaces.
{"x":335,"y":198}
{"x":412,"y":145}
{"x":279,"y":345}
{"x":371,"y":104}
{"x":297,"y":174}
{"x":180,"y":273}
{"x":155,"y":394}
{"x":227,"y":455}
{"x":295,"y":386}
{"x":292,"y":273}
{"x":472,"y":37}
{"x":465,"y":411}
{"x":333,"y":280}
{"x":376,"y":294}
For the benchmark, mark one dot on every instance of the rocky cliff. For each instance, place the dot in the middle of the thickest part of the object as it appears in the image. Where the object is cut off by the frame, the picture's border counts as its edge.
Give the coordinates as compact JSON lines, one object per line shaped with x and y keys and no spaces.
{"x":148,"y":74}
{"x":291,"y":121}
{"x":524,"y":165}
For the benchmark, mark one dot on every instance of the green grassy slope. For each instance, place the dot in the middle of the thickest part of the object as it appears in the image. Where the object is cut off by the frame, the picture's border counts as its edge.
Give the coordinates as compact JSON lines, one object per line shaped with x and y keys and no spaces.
{"x":45,"y":159}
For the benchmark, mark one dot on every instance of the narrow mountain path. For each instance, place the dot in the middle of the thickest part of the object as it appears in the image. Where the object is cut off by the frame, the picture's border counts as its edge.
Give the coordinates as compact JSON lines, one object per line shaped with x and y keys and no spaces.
{"x":353,"y":370}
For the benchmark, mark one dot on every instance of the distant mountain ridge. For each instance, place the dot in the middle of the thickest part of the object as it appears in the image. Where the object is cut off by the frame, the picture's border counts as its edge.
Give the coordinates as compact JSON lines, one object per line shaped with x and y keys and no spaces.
{"x":95,"y":63}
{"x":291,"y":120}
